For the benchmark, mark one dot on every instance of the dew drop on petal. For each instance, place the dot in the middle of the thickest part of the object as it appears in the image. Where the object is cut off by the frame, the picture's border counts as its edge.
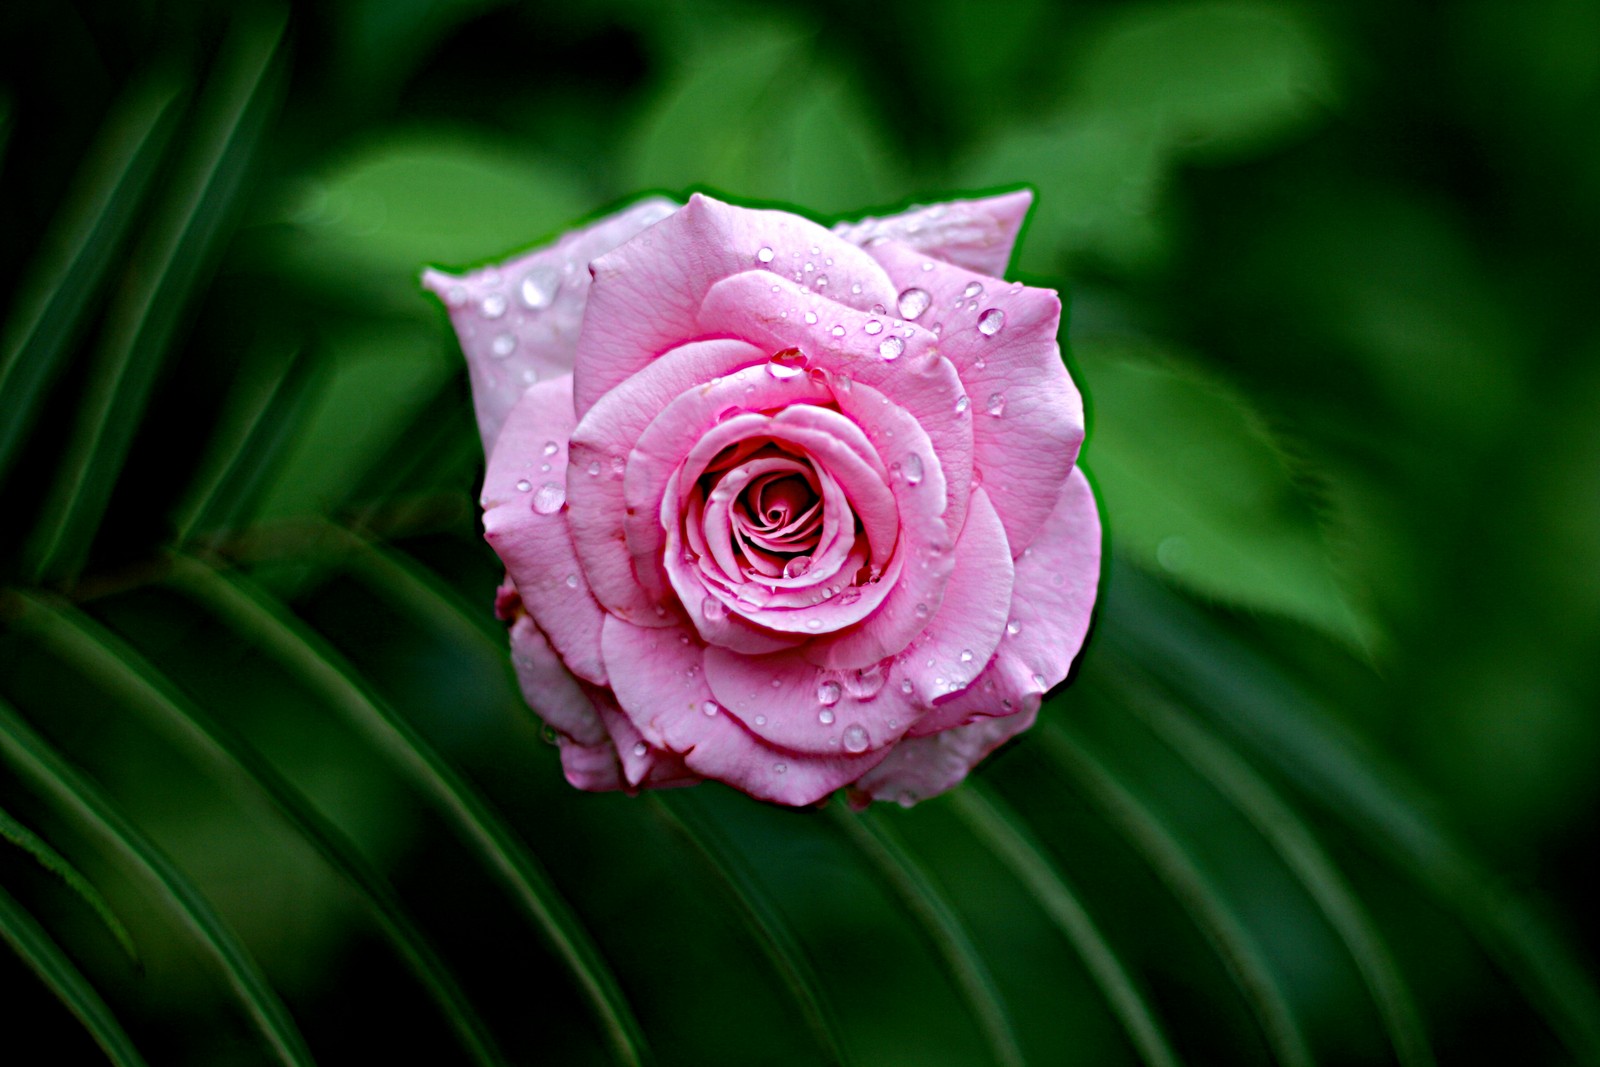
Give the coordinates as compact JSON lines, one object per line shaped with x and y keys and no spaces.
{"x":891,"y":347}
{"x":973,"y":289}
{"x":855,"y":290}
{"x":811,"y":318}
{"x":990,"y":322}
{"x":873,"y":327}
{"x":572,"y":581}
{"x":493,"y":306}
{"x":914,"y":302}
{"x":710,"y":707}
{"x":855,"y":738}
{"x":503,"y":345}
{"x":913,"y":469}
{"x":825,"y":717}
{"x":962,"y":404}
{"x":1013,"y":627}
{"x":966,"y":655}
{"x":761,"y":720}
{"x":640,"y":748}
{"x":828,"y":693}
{"x":712,"y":608}
{"x":866,"y":682}
{"x":1038,"y":680}
{"x":779,"y":768}
{"x":906,"y":687}
{"x":593,"y":468}
{"x":551,"y":448}
{"x":764,"y":255}
{"x":797,"y":567}
{"x":813,"y":624}
{"x":549,"y":497}
{"x":997,"y":404}
{"x":539,"y":287}
{"x":787,"y":364}
{"x":922,"y":611}
{"x":524,"y":486}
{"x":837,"y":331}
{"x":822,"y":281}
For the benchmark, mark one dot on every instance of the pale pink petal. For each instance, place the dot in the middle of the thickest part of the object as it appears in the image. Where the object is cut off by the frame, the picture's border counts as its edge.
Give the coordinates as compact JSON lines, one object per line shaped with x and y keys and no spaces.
{"x":643,"y":765}
{"x":922,"y":767}
{"x":594,"y":768}
{"x":523,"y":492}
{"x":518,"y":320}
{"x":661,"y":687}
{"x":1056,"y":580}
{"x":600,"y":446}
{"x":971,"y":620}
{"x":1027,"y":416}
{"x":647,"y":293}
{"x":916,"y":379}
{"x":549,"y":688}
{"x":975,"y":234}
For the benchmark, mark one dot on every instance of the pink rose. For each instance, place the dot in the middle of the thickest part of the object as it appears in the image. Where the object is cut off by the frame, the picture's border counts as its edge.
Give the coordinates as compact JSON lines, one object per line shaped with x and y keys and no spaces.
{"x":781,"y":506}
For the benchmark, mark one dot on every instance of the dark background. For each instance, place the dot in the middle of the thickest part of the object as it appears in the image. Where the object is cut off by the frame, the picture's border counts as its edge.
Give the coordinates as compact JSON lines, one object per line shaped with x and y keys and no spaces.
{"x":1324,"y":788}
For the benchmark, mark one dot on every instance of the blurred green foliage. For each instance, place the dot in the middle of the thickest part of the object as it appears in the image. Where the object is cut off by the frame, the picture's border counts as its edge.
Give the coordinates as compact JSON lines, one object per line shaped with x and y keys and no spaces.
{"x":1330,"y":270}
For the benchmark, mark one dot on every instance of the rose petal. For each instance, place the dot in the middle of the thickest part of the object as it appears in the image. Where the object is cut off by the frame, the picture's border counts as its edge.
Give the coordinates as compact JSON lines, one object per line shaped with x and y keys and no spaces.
{"x":975,"y":234}
{"x":523,"y":521}
{"x":549,"y":688}
{"x":1027,"y":416}
{"x":1056,"y":580}
{"x":647,"y":293}
{"x":518,"y":321}
{"x":661,"y":687}
{"x":922,"y":767}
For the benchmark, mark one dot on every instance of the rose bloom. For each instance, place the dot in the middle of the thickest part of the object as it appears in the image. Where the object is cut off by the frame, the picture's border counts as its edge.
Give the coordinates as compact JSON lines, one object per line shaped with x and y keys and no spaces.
{"x":787,"y":507}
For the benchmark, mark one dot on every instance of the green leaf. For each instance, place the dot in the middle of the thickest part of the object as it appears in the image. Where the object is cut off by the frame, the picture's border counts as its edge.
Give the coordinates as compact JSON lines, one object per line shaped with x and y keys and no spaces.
{"x":278,"y":633}
{"x":58,"y":865}
{"x":144,"y":691}
{"x":1293,"y":840}
{"x":54,"y":294}
{"x":166,"y":265}
{"x":1195,"y":486}
{"x":917,"y":889}
{"x":1192,"y":889}
{"x":32,"y":758}
{"x":382,"y":211}
{"x":1215,"y":75}
{"x":756,"y":114}
{"x":44,"y":957}
{"x":1003,"y":834}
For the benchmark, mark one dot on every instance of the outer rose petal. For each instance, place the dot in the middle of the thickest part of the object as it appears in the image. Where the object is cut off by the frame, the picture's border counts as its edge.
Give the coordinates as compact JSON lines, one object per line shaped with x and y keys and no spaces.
{"x":646,"y":294}
{"x":921,"y":767}
{"x":523,"y":521}
{"x":1057,"y":577}
{"x":1027,"y":416}
{"x":518,"y":321}
{"x":975,"y":234}
{"x":549,"y":688}
{"x":659,"y":684}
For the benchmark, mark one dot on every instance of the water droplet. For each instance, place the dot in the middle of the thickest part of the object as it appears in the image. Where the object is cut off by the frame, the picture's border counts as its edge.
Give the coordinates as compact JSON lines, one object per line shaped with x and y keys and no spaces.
{"x":710,"y":707}
{"x":551,"y":448}
{"x":997,"y":404}
{"x":572,"y":581}
{"x":1038,"y":680}
{"x":503,"y":345}
{"x":593,"y":468}
{"x":879,"y":309}
{"x":549,"y":498}
{"x":891,"y":347}
{"x":855,"y":738}
{"x":777,"y":683}
{"x":493,"y":306}
{"x":990,"y":322}
{"x":914,"y":302}
{"x":973,"y":289}
{"x":822,"y":281}
{"x":922,"y":611}
{"x":764,"y":254}
{"x":843,"y":382}
{"x":787,"y":364}
{"x":837,"y":331}
{"x":539,"y":287}
{"x":962,"y":404}
{"x":640,"y":748}
{"x":966,"y":655}
{"x":811,"y":318}
{"x":866,"y":682}
{"x":906,"y":687}
{"x":455,"y":296}
{"x":873,"y":327}
{"x":825,"y":717}
{"x":1013,"y":627}
{"x":813,"y":624}
{"x":779,"y":768}
{"x":855,"y":290}
{"x":979,"y":364}
{"x":828,"y":693}
{"x":761,"y":720}
{"x":797,"y":567}
{"x":913,"y":469}
{"x":524,"y":485}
